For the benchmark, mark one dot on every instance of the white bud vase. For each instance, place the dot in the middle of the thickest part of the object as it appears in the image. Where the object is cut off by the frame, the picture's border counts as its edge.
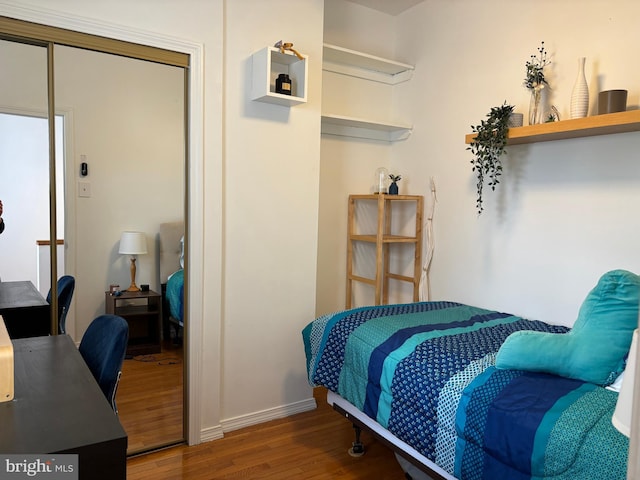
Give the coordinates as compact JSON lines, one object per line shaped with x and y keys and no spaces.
{"x":580,"y":93}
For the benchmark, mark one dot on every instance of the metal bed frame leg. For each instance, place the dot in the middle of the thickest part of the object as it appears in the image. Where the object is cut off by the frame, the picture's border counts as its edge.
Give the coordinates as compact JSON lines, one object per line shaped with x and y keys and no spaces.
{"x":357,"y":448}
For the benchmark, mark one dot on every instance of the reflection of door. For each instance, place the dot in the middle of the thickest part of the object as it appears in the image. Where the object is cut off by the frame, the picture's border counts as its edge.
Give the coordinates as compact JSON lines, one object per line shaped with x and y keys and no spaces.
{"x":127,"y":180}
{"x":26,"y":193}
{"x":24,"y":150}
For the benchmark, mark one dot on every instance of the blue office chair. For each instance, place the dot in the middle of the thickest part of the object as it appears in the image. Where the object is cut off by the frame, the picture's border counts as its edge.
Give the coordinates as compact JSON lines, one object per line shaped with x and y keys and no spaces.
{"x":66,"y":285}
{"x":103,"y":347}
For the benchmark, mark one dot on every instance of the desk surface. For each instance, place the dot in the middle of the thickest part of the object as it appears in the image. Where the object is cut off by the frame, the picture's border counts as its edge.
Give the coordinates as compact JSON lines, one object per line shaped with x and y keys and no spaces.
{"x":20,"y":295}
{"x":59,"y":408}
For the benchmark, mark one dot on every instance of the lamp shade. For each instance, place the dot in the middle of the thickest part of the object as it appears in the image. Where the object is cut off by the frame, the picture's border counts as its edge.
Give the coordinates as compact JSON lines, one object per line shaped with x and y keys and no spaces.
{"x":622,"y":415}
{"x":133,"y":243}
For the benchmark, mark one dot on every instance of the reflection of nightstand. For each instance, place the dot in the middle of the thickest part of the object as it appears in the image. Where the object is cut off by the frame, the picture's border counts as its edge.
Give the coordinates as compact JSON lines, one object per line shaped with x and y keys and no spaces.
{"x":143,"y":313}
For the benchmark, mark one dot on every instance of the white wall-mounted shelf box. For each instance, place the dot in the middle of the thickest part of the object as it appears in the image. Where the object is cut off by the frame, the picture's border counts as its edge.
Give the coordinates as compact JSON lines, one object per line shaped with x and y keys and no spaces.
{"x":360,"y":128}
{"x":267,"y":64}
{"x":362,"y":65}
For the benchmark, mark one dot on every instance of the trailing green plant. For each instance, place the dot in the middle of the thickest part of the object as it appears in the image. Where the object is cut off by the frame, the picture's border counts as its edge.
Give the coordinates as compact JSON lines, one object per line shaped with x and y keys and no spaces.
{"x":487,"y":148}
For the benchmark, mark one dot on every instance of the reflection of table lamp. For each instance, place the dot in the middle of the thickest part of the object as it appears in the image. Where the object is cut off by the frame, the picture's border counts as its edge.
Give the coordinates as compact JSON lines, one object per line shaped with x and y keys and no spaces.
{"x":627,"y":410}
{"x":133,"y":243}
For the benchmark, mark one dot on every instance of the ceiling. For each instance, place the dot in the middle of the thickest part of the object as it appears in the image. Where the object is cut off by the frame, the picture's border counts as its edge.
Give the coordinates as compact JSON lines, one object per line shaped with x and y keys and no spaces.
{"x":392,"y":7}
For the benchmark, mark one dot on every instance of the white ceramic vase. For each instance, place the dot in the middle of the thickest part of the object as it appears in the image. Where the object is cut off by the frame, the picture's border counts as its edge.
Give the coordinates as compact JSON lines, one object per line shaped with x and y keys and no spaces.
{"x":580,"y":93}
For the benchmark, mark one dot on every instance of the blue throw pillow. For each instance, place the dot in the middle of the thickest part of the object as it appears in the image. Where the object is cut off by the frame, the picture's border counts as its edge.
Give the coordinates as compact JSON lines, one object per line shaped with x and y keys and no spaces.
{"x":595,"y":349}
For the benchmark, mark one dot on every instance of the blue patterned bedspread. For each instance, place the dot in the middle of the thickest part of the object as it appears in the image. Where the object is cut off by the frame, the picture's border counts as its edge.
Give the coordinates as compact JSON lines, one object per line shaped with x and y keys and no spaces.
{"x":425,"y":371}
{"x":175,"y":295}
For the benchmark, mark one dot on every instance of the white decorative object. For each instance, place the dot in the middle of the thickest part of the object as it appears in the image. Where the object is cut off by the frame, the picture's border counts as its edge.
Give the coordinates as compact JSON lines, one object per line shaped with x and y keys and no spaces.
{"x":425,"y":284}
{"x":580,"y":93}
{"x":381,"y":181}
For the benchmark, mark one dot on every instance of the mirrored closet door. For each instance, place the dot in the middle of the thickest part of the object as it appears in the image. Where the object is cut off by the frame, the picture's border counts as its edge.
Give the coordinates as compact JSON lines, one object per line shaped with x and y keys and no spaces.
{"x":120,"y":113}
{"x":127,"y":118}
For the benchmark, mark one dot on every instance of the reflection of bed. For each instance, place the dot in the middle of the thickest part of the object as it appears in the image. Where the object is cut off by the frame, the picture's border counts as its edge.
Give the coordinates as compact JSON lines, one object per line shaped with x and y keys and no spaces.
{"x":171,"y":277}
{"x":422,"y":377}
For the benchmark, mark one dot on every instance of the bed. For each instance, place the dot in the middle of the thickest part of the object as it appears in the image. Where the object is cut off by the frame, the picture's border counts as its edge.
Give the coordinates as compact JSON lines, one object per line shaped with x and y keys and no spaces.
{"x":463,"y":392}
{"x":171,"y":248}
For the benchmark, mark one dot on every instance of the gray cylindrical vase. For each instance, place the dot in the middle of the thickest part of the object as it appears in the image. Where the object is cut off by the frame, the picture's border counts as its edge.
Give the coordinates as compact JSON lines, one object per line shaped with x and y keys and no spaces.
{"x":515,"y":120}
{"x":612,"y":101}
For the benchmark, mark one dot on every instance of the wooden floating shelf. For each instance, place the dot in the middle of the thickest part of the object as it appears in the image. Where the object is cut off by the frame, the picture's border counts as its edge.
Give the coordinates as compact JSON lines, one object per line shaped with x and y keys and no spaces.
{"x":622,"y":122}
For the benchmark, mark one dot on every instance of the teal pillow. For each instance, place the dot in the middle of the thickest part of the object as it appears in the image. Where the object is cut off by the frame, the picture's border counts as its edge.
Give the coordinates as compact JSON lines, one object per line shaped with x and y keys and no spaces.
{"x":595,"y":349}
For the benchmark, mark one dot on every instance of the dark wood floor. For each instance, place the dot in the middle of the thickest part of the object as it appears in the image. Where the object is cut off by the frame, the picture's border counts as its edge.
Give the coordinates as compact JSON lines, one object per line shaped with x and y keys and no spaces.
{"x":311,"y":446}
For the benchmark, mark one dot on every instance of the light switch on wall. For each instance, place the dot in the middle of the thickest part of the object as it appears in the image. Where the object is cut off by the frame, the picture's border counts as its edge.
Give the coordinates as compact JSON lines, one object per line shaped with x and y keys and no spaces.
{"x":84,"y":189}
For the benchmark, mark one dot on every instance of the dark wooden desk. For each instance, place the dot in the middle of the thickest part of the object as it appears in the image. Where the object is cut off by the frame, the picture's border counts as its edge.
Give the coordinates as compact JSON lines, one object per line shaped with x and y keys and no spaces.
{"x":59,"y":408}
{"x":24,"y":309}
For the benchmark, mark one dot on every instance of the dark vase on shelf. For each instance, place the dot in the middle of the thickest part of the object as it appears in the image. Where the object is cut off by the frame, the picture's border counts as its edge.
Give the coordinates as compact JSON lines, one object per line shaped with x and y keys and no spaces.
{"x":283,"y":84}
{"x":393,"y":188}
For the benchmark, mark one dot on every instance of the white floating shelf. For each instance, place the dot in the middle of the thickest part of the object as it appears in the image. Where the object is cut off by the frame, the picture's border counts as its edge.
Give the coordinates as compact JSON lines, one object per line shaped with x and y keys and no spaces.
{"x":267,"y":64}
{"x":360,"y":128}
{"x":362,"y":65}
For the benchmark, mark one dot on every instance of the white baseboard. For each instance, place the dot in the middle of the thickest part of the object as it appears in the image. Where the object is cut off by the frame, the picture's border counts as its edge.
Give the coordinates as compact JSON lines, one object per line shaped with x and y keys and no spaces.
{"x":211,"y":433}
{"x":256,"y":418}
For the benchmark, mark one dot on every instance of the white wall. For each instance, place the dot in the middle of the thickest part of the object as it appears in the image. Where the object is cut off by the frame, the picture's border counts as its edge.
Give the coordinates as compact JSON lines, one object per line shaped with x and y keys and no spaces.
{"x":271,"y":212}
{"x":565,"y":210}
{"x":24,"y":151}
{"x":353,"y":26}
{"x":348,"y":164}
{"x":258,"y":197}
{"x":128,"y":124}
